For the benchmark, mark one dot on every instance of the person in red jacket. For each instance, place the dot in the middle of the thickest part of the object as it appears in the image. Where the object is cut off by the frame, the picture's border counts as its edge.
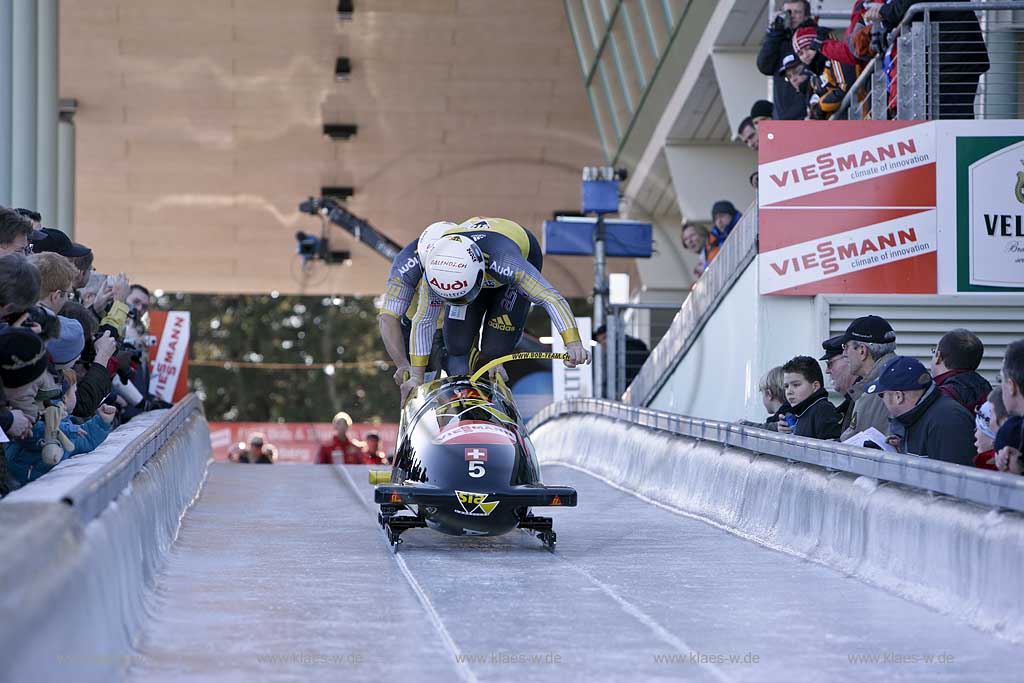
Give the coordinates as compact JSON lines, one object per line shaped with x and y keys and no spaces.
{"x":342,"y":450}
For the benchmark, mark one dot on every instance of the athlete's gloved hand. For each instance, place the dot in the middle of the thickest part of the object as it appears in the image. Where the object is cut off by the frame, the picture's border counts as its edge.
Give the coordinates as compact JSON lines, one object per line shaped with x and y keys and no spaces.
{"x":577,"y":354}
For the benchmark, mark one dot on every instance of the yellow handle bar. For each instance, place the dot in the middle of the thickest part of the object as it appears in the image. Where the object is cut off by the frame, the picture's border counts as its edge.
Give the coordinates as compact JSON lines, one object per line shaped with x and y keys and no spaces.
{"x":523,"y":355}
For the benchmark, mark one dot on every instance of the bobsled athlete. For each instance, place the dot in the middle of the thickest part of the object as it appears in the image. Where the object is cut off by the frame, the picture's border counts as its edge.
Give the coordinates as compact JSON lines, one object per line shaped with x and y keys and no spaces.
{"x":483,"y":272}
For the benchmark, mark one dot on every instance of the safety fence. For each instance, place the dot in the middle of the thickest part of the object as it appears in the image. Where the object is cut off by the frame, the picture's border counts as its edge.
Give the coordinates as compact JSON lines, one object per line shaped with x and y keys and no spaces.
{"x":80,"y":546}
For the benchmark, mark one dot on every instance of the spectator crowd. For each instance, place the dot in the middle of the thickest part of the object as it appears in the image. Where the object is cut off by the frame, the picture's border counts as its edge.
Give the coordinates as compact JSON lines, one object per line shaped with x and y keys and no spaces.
{"x":947,"y":411}
{"x":73,"y":349}
{"x":812,"y":70}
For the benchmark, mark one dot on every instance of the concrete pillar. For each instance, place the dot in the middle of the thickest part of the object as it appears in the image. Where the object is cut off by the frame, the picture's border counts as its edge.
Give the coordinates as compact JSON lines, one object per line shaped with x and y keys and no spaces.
{"x":703,"y":173}
{"x":47,"y":96}
{"x":24,"y":103}
{"x":6,"y":72}
{"x":66,"y":173}
{"x":737,"y":82}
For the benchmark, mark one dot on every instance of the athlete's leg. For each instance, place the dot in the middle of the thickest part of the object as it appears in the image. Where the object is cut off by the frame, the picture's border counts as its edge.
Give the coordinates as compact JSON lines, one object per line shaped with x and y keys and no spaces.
{"x":503,"y":325}
{"x":461,"y":327}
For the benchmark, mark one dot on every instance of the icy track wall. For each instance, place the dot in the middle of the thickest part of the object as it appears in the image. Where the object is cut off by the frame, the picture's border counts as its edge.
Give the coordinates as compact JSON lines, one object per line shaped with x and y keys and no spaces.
{"x":951,"y":555}
{"x":79,"y":547}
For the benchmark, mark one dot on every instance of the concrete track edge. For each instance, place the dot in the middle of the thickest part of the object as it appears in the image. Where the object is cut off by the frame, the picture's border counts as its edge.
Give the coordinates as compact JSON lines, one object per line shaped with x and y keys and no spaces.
{"x":947,"y":554}
{"x":75,"y":594}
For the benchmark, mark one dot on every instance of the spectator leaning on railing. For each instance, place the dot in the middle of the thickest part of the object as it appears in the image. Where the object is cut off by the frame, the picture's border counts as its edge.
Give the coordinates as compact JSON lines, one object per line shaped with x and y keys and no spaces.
{"x":812,"y":414}
{"x":830,"y":80}
{"x":837,"y":367}
{"x":923,"y":420}
{"x":869,"y":343}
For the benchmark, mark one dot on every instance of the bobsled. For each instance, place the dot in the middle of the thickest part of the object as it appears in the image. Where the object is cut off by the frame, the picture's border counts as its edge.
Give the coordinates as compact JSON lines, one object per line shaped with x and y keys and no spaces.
{"x":464,"y":466}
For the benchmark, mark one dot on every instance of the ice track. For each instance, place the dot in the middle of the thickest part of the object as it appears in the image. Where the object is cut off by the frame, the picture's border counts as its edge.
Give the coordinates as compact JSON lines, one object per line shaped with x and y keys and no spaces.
{"x":282,"y":573}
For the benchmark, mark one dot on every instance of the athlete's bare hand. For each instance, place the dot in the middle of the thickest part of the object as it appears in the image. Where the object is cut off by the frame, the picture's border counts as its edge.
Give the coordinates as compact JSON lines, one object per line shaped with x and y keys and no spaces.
{"x":577,"y":354}
{"x":409,"y":386}
{"x":402,"y":374}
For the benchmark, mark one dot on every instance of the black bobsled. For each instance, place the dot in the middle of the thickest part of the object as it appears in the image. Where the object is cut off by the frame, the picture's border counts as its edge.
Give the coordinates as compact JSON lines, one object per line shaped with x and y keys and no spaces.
{"x":464,"y":466}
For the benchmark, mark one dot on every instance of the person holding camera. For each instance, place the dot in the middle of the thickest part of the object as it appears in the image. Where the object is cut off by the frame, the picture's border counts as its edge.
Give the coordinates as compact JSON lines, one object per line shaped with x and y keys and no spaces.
{"x":790,"y":105}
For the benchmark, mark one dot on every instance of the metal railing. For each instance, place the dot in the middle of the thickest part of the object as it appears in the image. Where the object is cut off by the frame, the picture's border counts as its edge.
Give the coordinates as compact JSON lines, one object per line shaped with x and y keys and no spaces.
{"x":624,"y":355}
{"x":949,"y":60}
{"x":984,"y":487}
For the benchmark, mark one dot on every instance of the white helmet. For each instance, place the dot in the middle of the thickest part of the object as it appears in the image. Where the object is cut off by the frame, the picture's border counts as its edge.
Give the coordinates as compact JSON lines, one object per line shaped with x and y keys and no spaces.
{"x":430,"y":236}
{"x":455,"y":269}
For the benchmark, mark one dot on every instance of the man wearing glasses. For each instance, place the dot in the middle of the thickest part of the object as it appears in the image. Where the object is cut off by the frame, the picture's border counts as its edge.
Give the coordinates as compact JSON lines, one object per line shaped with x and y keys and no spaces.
{"x":16,"y":233}
{"x":869,"y":344}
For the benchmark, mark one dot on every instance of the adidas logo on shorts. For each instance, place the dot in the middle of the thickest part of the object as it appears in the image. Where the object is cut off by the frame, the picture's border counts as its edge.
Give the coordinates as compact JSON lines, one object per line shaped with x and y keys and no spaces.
{"x":503,"y":323}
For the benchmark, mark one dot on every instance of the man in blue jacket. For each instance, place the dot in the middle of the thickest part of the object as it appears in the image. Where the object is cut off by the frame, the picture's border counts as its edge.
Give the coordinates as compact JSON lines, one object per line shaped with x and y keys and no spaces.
{"x":923,"y":420}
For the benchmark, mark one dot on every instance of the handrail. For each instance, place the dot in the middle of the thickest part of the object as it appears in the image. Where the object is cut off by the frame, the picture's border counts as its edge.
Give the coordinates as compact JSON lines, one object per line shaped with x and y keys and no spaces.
{"x":92,"y":495}
{"x":736,"y":254}
{"x":912,"y":12}
{"x":984,"y":487}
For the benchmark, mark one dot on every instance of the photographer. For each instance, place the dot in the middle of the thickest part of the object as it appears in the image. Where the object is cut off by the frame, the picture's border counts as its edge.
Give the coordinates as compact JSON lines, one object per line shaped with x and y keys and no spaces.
{"x":789,"y":104}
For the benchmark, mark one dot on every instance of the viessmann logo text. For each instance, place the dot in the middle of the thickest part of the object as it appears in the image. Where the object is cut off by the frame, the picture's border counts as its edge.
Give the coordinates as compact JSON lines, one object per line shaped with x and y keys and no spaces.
{"x":830,"y":254}
{"x":847,"y":163}
{"x":848,"y":252}
{"x":827,"y":166}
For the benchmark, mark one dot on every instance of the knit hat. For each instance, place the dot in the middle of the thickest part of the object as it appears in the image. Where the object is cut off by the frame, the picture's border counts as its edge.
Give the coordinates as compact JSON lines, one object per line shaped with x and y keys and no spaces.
{"x":723,"y":206}
{"x":22,"y":357}
{"x":762,"y":108}
{"x":804,"y":37}
{"x":68,"y":346}
{"x":983,"y":419}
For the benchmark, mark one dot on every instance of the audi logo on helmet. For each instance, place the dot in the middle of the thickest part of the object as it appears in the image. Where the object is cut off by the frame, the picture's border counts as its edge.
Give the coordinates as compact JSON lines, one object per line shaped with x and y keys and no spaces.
{"x":449,"y":286}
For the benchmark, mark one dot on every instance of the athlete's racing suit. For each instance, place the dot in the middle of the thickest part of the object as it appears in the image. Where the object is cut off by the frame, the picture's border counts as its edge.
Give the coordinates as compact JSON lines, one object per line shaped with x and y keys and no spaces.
{"x":512,"y":282}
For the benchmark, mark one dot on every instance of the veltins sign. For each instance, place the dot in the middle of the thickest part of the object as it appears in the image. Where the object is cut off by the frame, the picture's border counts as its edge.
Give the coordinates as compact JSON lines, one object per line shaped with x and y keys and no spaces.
{"x":993,"y":224}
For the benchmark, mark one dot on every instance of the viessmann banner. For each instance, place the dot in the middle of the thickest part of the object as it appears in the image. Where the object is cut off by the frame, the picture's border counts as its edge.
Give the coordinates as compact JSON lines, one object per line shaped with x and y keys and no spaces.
{"x":847,"y":207}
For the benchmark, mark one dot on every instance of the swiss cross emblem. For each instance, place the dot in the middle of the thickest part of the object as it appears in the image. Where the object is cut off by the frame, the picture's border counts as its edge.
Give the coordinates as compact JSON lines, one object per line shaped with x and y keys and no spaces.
{"x":479,"y":454}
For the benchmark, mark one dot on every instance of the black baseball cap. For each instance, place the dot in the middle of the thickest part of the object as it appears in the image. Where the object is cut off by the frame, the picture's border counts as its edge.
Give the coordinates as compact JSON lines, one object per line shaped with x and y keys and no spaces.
{"x":870,"y":329}
{"x":833,"y":347}
{"x":59,"y":243}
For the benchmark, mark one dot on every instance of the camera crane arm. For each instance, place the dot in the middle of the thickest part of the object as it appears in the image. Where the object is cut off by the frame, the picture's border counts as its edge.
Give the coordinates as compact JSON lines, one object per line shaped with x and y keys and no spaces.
{"x":359,"y":228}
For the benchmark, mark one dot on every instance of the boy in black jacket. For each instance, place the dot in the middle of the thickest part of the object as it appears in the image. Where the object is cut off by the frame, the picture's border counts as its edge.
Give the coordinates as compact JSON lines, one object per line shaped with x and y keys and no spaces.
{"x":812,"y":415}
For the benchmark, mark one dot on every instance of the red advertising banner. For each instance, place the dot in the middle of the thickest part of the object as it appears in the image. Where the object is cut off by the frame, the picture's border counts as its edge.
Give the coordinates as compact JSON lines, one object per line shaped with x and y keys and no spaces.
{"x":168,"y":358}
{"x":847,"y":207}
{"x":295,"y":441}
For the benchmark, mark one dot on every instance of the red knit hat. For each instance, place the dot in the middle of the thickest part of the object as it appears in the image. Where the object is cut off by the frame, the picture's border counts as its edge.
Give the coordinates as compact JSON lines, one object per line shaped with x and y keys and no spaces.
{"x":804,"y":37}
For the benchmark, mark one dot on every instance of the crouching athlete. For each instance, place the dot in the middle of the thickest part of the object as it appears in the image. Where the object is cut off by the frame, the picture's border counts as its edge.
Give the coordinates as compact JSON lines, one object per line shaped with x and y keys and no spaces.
{"x":484,"y":272}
